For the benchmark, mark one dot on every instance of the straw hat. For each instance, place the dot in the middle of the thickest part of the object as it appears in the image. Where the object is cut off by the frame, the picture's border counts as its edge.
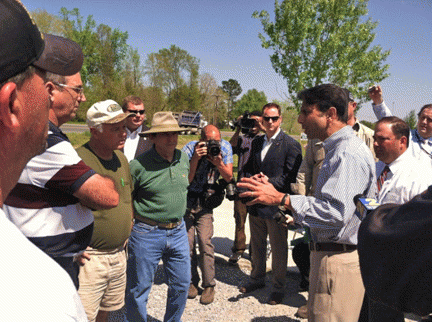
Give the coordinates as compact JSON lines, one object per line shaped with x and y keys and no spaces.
{"x":163,"y":122}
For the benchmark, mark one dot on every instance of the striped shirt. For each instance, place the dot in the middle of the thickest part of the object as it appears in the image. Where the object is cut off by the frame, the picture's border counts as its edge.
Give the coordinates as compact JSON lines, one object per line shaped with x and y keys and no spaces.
{"x":348,"y":169}
{"x":42,"y":204}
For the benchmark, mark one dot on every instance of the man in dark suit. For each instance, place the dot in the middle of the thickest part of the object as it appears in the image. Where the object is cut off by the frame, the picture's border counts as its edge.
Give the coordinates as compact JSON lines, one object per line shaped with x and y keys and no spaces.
{"x":135,"y":144}
{"x":277,"y":156}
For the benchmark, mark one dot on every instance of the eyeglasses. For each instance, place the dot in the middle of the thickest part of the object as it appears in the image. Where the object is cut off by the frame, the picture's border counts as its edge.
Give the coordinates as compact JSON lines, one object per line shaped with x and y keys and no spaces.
{"x":140,"y":112}
{"x":78,"y":90}
{"x":273,"y":118}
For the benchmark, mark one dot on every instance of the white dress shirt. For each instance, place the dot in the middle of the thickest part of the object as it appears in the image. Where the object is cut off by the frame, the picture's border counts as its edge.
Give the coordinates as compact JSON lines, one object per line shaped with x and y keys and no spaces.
{"x":131,"y":143}
{"x":407,"y":178}
{"x":267,"y":144}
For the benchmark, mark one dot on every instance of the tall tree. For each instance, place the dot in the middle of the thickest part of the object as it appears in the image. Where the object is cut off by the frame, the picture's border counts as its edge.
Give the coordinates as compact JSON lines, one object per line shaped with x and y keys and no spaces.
{"x":233,"y":89}
{"x":317,"y":41}
{"x":46,"y":22}
{"x":411,"y":119}
{"x":175,"y":71}
{"x":251,"y":101}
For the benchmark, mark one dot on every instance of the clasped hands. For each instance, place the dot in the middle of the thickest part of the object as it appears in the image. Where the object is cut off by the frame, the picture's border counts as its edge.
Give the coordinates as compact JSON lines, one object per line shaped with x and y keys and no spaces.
{"x":262,"y":192}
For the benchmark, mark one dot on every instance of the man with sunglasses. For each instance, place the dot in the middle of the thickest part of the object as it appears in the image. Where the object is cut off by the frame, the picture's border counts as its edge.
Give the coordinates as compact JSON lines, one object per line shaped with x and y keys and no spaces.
{"x":277,"y":156}
{"x":135,"y":144}
{"x":52,"y":202}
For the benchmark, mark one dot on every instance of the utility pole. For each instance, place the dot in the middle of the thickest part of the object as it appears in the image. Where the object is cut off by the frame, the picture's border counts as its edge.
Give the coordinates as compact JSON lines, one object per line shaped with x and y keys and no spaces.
{"x":215,"y":112}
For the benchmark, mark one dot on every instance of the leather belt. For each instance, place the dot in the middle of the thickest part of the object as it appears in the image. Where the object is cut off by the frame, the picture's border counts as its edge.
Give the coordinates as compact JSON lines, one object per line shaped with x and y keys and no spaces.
{"x":165,"y":225}
{"x":331,"y":247}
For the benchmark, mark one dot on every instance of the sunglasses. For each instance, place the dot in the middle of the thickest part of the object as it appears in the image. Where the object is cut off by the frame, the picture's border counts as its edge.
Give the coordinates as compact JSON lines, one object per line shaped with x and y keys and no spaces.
{"x":141,"y":112}
{"x":273,"y":118}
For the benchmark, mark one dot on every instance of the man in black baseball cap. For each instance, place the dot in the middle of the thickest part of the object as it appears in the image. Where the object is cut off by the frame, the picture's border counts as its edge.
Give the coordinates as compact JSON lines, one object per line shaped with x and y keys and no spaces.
{"x":28,"y":275}
{"x":24,"y":45}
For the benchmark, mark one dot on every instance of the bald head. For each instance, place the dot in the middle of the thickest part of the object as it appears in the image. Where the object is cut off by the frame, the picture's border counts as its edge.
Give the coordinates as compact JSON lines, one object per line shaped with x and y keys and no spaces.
{"x":210,"y":132}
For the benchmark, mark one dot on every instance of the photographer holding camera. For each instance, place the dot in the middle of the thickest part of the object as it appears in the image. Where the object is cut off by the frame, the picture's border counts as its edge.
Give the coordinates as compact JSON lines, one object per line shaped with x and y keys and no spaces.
{"x":210,"y":158}
{"x":250,"y":125}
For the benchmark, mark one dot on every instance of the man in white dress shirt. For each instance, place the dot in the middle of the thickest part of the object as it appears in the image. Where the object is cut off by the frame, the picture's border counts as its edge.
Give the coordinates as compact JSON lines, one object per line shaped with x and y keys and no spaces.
{"x":401,"y":176}
{"x":135,"y":145}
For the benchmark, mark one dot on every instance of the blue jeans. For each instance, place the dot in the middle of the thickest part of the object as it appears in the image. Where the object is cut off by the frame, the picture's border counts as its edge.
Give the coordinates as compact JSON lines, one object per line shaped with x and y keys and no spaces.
{"x":147,"y":245}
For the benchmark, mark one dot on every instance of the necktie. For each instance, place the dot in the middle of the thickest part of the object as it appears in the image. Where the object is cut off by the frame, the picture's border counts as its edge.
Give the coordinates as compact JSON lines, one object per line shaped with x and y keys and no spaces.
{"x":382,"y":177}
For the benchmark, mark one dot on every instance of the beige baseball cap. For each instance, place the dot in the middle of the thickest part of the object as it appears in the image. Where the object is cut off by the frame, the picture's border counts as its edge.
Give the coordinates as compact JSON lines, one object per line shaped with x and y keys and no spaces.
{"x":105,"y":112}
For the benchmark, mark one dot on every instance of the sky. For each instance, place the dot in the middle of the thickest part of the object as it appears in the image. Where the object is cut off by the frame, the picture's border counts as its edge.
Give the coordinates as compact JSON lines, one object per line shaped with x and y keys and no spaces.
{"x":224,"y":37}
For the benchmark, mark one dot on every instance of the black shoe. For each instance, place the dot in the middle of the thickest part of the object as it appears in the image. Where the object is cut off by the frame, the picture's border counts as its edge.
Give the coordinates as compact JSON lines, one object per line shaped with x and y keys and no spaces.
{"x":251,"y":287}
{"x":275,"y":298}
{"x":235,"y":257}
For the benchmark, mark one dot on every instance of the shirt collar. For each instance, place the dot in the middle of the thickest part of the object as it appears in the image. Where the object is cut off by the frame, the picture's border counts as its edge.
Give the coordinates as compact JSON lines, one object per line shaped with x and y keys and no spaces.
{"x":336,"y":137}
{"x":136,"y":132}
{"x":273,"y":137}
{"x":421,"y":139}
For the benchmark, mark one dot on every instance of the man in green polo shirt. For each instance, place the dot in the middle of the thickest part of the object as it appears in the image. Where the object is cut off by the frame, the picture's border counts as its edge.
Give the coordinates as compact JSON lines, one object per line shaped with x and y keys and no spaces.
{"x":103,"y":278}
{"x":160,"y":178}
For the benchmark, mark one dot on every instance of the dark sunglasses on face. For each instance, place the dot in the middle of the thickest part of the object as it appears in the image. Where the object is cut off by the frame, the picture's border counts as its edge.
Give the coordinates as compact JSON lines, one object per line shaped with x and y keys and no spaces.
{"x":273,"y":118}
{"x":141,"y":112}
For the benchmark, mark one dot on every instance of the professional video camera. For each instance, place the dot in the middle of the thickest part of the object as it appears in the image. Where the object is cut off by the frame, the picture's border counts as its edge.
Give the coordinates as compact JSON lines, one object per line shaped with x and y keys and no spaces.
{"x":246,"y":123}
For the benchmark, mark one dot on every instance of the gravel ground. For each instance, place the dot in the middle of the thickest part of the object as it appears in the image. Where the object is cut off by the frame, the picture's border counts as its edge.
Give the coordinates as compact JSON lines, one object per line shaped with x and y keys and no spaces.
{"x":230,"y":305}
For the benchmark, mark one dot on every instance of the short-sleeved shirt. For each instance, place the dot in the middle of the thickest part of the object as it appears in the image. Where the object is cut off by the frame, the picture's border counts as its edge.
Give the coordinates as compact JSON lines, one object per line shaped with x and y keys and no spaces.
{"x":111,"y":226}
{"x":42,"y":204}
{"x":206,"y":172}
{"x":160,"y":186}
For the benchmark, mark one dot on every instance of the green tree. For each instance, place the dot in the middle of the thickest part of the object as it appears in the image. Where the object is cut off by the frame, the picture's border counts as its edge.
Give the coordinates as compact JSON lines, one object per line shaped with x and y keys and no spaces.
{"x":317,"y":41}
{"x":233,"y":89}
{"x":46,"y":22}
{"x":251,"y":101}
{"x":411,"y":119}
{"x":175,"y":71}
{"x":370,"y":125}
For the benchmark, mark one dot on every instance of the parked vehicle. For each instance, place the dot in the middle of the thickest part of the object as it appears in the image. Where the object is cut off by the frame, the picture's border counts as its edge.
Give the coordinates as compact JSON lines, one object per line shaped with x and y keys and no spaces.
{"x":192,"y":120}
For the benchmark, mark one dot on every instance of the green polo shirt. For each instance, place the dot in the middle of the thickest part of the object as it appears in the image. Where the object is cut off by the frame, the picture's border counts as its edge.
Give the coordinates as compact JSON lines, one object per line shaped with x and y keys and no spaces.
{"x":160,"y":187}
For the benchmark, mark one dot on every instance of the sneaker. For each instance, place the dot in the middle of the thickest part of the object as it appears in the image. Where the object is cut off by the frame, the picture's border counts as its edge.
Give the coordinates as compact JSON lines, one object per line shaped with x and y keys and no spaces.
{"x":235,"y":258}
{"x":207,"y":296}
{"x":193,"y":292}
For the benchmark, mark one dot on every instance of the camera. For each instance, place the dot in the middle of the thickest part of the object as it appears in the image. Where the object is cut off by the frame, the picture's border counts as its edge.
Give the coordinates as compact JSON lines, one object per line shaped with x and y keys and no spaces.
{"x":246,"y":123}
{"x":230,"y":189}
{"x":213,"y":148}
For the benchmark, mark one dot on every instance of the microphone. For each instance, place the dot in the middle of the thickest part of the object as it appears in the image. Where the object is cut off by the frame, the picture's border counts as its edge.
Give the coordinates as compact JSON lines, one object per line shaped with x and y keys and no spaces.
{"x":364,"y":206}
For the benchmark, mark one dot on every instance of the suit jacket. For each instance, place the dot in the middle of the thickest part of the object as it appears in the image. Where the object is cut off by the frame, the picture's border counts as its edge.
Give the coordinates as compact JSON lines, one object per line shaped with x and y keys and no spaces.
{"x":144,"y":144}
{"x":280,"y":164}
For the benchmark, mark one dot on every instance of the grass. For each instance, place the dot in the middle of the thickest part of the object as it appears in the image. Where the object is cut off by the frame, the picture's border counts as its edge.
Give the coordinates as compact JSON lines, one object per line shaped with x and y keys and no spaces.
{"x":78,"y":139}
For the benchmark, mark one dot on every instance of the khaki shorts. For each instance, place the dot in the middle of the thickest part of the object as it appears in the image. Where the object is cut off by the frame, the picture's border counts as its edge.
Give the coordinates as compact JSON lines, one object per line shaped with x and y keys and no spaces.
{"x":103,"y":281}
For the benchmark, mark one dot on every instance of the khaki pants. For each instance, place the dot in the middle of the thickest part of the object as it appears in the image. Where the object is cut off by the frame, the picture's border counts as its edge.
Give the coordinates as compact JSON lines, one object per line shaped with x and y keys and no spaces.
{"x":201,"y":224}
{"x":103,"y":281}
{"x":240,"y":215}
{"x":336,"y":288}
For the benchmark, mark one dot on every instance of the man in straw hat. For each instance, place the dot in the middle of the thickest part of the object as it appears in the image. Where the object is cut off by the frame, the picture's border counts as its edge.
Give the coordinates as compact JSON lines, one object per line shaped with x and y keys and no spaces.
{"x":34,"y":287}
{"x":160,"y":178}
{"x":103,"y":278}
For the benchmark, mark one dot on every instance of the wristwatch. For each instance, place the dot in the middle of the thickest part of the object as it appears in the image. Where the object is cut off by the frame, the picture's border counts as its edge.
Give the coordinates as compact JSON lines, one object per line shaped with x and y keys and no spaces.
{"x":282,"y":206}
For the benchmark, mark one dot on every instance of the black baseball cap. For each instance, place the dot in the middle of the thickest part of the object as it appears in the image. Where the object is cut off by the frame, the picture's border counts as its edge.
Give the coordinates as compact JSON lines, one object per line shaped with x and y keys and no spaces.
{"x":23,"y":45}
